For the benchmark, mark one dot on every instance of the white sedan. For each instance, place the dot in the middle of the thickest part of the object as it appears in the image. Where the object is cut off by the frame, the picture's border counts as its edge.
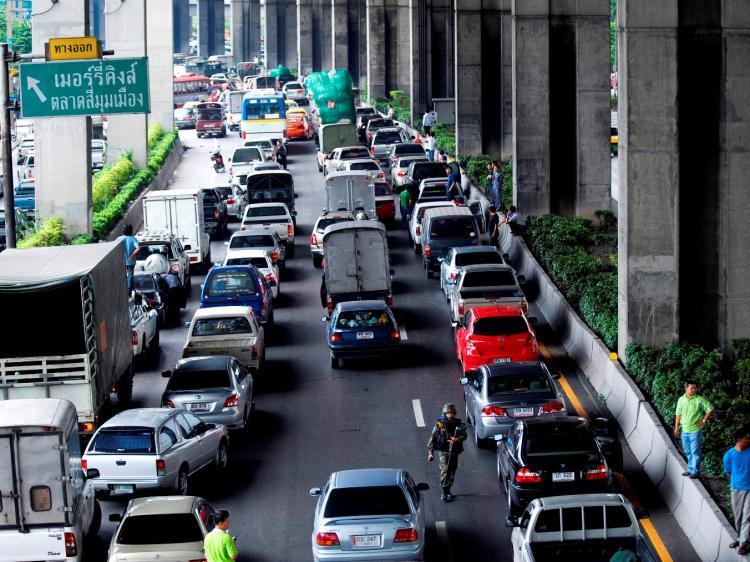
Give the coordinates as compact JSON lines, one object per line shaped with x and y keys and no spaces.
{"x":144,"y":325}
{"x":260,"y":259}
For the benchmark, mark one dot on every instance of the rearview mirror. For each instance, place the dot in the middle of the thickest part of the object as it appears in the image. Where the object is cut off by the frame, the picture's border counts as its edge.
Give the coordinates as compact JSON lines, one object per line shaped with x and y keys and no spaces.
{"x":521,"y":278}
{"x":464,"y":380}
{"x":166,"y":374}
{"x":115,"y":517}
{"x":92,"y":473}
{"x":187,"y":247}
{"x":533,"y":320}
{"x":422,"y":487}
{"x":314,"y":491}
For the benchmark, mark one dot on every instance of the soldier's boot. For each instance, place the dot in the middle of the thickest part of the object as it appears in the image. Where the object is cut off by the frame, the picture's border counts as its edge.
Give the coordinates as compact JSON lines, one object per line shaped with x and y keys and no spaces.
{"x":445,"y":494}
{"x":448,"y":495}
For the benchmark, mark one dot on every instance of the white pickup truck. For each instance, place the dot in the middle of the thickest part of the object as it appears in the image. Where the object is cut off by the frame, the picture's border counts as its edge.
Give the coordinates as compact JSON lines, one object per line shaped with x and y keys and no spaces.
{"x":584,"y":528}
{"x":275,"y":215}
{"x":479,"y":285}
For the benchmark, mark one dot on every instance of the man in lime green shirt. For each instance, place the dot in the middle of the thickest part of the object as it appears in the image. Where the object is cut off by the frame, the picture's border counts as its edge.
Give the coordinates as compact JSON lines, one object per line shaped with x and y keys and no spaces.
{"x":219,"y":545}
{"x":692,"y":412}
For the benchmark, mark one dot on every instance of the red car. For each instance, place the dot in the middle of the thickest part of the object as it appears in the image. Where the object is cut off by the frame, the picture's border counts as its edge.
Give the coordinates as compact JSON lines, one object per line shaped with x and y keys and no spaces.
{"x":297,"y":127}
{"x":495,"y":334}
{"x":385,"y":206}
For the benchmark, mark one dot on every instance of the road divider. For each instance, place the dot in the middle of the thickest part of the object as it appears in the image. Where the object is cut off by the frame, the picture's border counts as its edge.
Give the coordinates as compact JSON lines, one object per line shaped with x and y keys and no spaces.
{"x":416,"y":405}
{"x":441,"y":528}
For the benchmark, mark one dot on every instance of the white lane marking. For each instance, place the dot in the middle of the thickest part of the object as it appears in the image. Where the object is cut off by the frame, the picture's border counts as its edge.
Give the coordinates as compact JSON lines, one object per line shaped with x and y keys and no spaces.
{"x":417,"y":405}
{"x":442,"y":532}
{"x":404,"y":337}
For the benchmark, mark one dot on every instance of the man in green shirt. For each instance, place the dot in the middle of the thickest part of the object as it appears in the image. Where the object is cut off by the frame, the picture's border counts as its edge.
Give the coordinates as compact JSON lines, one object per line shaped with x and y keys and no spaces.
{"x":405,"y":203}
{"x":692,"y":412}
{"x":219,"y":545}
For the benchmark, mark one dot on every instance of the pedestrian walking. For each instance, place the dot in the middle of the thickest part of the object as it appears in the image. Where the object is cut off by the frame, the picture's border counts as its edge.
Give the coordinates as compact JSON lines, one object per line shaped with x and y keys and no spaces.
{"x":130,"y":249}
{"x":447,"y":439}
{"x":691,"y":414}
{"x":280,"y":151}
{"x":493,"y":227}
{"x":496,"y":185}
{"x":427,"y":122}
{"x":405,"y":203}
{"x":429,"y":146}
{"x":737,"y":466}
{"x":219,"y":545}
{"x":451,"y":184}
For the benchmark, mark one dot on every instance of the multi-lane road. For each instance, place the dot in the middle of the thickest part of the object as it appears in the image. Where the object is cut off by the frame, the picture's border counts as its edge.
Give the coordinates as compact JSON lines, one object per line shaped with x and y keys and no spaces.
{"x":311,"y":420}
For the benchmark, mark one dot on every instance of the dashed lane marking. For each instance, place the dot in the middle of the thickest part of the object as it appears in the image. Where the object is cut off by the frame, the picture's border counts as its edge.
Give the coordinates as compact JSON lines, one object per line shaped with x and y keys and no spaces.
{"x":416,"y":404}
{"x":402,"y":331}
{"x":445,"y":546}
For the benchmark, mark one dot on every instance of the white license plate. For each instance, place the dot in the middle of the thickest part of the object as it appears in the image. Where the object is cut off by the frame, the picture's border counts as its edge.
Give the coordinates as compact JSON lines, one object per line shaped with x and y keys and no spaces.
{"x":123,"y":488}
{"x":563,"y":477}
{"x":521,"y":412}
{"x":198,"y":407}
{"x":365,"y":336}
{"x":366,"y":540}
{"x":502,"y":360}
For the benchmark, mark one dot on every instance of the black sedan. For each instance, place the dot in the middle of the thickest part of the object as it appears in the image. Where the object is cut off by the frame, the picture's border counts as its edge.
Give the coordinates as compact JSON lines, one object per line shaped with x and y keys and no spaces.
{"x":157,"y":293}
{"x":552,"y":456}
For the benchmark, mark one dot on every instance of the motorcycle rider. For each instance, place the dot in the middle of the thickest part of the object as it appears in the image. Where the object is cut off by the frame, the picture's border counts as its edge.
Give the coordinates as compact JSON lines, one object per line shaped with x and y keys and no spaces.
{"x":217,"y":159}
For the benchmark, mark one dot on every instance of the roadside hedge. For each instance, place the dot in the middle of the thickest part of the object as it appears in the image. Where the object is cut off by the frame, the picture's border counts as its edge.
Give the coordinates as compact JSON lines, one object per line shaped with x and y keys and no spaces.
{"x":108,"y":181}
{"x":48,"y":234}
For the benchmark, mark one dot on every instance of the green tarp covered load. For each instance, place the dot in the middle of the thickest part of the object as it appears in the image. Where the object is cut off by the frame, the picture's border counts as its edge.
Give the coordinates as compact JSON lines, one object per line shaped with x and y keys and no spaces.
{"x":332,"y":94}
{"x":280,"y":71}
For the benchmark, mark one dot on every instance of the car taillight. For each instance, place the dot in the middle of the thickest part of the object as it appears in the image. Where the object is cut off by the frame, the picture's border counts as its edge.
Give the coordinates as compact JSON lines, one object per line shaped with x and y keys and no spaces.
{"x":230,"y":201}
{"x":85,"y":427}
{"x":406,"y":535}
{"x":552,"y":408}
{"x":254,"y":352}
{"x":461,"y":308}
{"x":314,"y":240}
{"x":389,"y":300}
{"x":454,"y":275}
{"x":401,"y":174}
{"x":601,"y":472}
{"x":327,"y":539}
{"x":372,"y":150}
{"x":271,"y":278}
{"x":168,"y":404}
{"x":336,"y":336}
{"x":84,"y":464}
{"x":232,"y":402}
{"x":71,"y":545}
{"x":274,"y":256}
{"x":134,"y":337}
{"x":289,"y":230}
{"x":161,"y":467}
{"x":381,"y":175}
{"x":395,"y":335}
{"x":426,"y":250}
{"x":329,"y":304}
{"x":418,"y":230}
{"x":525,"y":476}
{"x":491,"y":410}
{"x":243,"y":228}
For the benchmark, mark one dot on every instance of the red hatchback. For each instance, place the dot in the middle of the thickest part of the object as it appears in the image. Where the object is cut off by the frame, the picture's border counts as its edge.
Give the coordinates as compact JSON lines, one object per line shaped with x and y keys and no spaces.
{"x":385,"y":206}
{"x":495,"y":334}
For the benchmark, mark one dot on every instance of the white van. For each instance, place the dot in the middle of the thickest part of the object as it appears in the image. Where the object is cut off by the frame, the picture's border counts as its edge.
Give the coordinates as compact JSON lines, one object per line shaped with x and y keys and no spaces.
{"x":233,"y":109}
{"x":47,"y":508}
{"x":180,"y":212}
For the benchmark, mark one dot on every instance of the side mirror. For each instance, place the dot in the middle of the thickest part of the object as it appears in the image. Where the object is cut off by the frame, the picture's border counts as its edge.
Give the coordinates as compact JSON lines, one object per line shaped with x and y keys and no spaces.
{"x":521,"y":278}
{"x":506,"y":256}
{"x":640,"y":512}
{"x":533,"y":320}
{"x":293,"y":213}
{"x":229,"y":159}
{"x":511,"y":521}
{"x":187,"y":247}
{"x":454,"y":325}
{"x":187,"y":324}
{"x":295,"y":196}
{"x":226,"y":243}
{"x":441,"y":260}
{"x":115,"y":517}
{"x":92,"y":473}
{"x":166,"y":374}
{"x":314,"y":491}
{"x":464,"y":380}
{"x":422,"y":487}
{"x":324,"y":318}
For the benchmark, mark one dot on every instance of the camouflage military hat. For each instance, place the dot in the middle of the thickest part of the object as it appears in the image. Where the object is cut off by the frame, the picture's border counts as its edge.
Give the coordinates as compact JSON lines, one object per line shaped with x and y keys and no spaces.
{"x":449,"y":407}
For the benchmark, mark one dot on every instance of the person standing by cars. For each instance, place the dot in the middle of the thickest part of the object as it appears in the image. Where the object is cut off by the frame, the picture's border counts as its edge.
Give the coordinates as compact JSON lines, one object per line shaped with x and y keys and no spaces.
{"x":427,"y":122}
{"x":451,"y":184}
{"x":737,"y":466}
{"x":280,"y":152}
{"x":429,"y":146}
{"x":493,"y":227}
{"x":405,"y":203}
{"x":691,"y":414}
{"x":496,"y":183}
{"x":131,"y":247}
{"x":447,"y":437}
{"x":514,"y":220}
{"x":219,"y":545}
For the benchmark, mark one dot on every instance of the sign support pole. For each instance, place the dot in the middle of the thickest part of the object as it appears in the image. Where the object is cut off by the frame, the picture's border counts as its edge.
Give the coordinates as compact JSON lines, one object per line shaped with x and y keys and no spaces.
{"x":7,"y":148}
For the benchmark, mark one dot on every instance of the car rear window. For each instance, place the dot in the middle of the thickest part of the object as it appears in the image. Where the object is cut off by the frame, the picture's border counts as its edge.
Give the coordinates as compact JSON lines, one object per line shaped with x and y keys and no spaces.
{"x":453,"y":227}
{"x":221,"y":326}
{"x":363,"y":319}
{"x":370,"y":500}
{"x":353,"y":153}
{"x":387,"y":137}
{"x":224,"y":190}
{"x":364,"y":166}
{"x":382,"y":190}
{"x":231,"y":284}
{"x":209,"y":115}
{"x":252,"y":241}
{"x":518,"y":384}
{"x":191,"y":380}
{"x":325,"y":223}
{"x":405,"y":162}
{"x":433,"y":191}
{"x":380,"y":123}
{"x":132,"y":441}
{"x":488,"y":279}
{"x":500,"y":326}
{"x":259,"y":261}
{"x":270,"y":196}
{"x":478,"y":258}
{"x":293,"y":86}
{"x":141,"y":282}
{"x":409,"y":149}
{"x":429,"y":170}
{"x":266,"y":211}
{"x":167,"y":528}
{"x":248,"y":154}
{"x":259,"y":143}
{"x":555,"y":444}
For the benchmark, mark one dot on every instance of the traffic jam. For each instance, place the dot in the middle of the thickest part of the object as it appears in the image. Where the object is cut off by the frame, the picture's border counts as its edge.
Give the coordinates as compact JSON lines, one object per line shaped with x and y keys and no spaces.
{"x":554,"y":469}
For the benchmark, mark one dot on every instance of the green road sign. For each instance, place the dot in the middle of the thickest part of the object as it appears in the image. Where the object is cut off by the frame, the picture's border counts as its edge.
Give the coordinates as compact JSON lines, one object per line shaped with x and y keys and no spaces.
{"x":84,"y":87}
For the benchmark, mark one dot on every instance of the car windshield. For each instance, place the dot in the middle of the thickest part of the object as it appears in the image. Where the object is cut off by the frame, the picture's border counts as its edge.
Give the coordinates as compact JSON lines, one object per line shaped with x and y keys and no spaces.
{"x":364,"y":166}
{"x":387,"y":137}
{"x":382,"y":190}
{"x":500,"y":326}
{"x":488,"y":279}
{"x":409,"y":149}
{"x":231,"y":284}
{"x":134,"y":441}
{"x":353,"y":153}
{"x":428,"y":170}
{"x":453,"y":227}
{"x":249,"y":154}
{"x":145,"y":250}
{"x":324,"y":223}
{"x":518,"y":384}
{"x":251,"y":241}
{"x":266,"y":211}
{"x":144,"y":283}
{"x":164,"y":528}
{"x":363,"y":319}
{"x":478,"y":258}
{"x":221,"y":326}
{"x":554,"y":444}
{"x":191,"y":380}
{"x":224,"y":190}
{"x":259,"y":261}
{"x":259,"y":143}
{"x":366,"y":501}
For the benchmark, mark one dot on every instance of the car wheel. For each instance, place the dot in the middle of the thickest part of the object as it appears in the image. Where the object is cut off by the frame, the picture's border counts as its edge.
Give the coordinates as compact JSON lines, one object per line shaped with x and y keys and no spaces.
{"x":417,"y":248}
{"x":334,"y":362}
{"x":270,"y":319}
{"x":181,"y":484}
{"x":125,"y":389}
{"x":317,"y":261}
{"x":428,"y":272}
{"x":153,"y":349}
{"x":290,"y":250}
{"x":222,"y":454}
{"x":479,"y":442}
{"x":96,"y":521}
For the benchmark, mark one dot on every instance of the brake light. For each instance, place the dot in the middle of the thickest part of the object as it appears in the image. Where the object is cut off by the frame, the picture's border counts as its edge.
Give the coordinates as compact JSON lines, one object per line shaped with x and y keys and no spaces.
{"x":271,"y":278}
{"x":314,"y":240}
{"x":406,"y":535}
{"x":552,"y":408}
{"x":168,"y":404}
{"x":329,"y":304}
{"x":85,"y":427}
{"x":289,"y":230}
{"x":327,"y":539}
{"x":454,"y":275}
{"x":401,"y":174}
{"x":492,"y":410}
{"x":274,"y":256}
{"x":418,"y":230}
{"x":161,"y":467}
{"x":389,"y":300}
{"x":84,"y":464}
{"x":372,"y":150}
{"x":232,"y":402}
{"x":336,"y":336}
{"x":71,"y":545}
{"x":395,"y":335}
{"x":243,"y":228}
{"x":381,"y":175}
{"x":461,"y":308}
{"x":601,"y":472}
{"x":426,"y":250}
{"x":134,"y":337}
{"x":525,"y":476}
{"x":230,"y":201}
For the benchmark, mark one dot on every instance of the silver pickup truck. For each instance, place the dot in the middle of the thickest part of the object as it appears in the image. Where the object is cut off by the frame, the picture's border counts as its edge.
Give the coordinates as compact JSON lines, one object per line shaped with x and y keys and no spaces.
{"x":584,"y":528}
{"x":479,"y":285}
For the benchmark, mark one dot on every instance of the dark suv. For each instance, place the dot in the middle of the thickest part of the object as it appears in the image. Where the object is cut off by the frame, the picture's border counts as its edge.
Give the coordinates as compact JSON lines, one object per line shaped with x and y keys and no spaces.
{"x":419,"y":171}
{"x":214,"y":212}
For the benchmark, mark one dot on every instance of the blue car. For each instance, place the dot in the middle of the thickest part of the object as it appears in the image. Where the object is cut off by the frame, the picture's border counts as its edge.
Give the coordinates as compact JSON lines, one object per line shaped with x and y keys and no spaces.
{"x":361,"y":329}
{"x":238,"y":285}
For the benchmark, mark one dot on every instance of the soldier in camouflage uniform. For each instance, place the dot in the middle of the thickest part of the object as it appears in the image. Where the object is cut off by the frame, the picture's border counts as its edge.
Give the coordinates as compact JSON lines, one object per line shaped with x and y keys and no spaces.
{"x":447,"y":439}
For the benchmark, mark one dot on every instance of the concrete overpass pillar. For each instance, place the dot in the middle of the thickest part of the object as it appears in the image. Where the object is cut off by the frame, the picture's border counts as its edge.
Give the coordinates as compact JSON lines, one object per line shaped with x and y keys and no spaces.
{"x":531,"y":118}
{"x":468,"y":73}
{"x":376,"y":49}
{"x":326,"y":35}
{"x":159,"y":25}
{"x":271,"y":34}
{"x":242,"y":26}
{"x":340,"y":33}
{"x":210,"y":27}
{"x":304,"y":37}
{"x":361,"y":29}
{"x":648,"y":208}
{"x":254,"y":32}
{"x":126,"y":34}
{"x":403,"y":45}
{"x":182,"y":26}
{"x":62,"y":144}
{"x":418,"y":34}
{"x":290,"y":34}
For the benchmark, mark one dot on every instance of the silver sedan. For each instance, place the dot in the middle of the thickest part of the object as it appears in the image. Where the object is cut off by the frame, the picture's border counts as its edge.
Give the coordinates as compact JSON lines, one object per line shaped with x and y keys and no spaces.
{"x":463,"y":256}
{"x":369,"y":514}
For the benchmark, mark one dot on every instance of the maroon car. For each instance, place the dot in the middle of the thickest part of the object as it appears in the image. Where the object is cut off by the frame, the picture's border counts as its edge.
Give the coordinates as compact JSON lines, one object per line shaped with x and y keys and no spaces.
{"x":210,"y":120}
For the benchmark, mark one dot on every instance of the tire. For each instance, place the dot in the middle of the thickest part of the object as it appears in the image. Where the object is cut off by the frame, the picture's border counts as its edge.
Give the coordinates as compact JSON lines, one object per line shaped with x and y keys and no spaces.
{"x":335,"y":364}
{"x":480,"y":443}
{"x":222,"y":455}
{"x":290,"y":250}
{"x":513,"y":510}
{"x":96,"y":521}
{"x":417,"y":248}
{"x":317,"y":261}
{"x":181,"y":484}
{"x":125,"y":388}
{"x":428,"y":272}
{"x":270,"y":319}
{"x":153,"y":349}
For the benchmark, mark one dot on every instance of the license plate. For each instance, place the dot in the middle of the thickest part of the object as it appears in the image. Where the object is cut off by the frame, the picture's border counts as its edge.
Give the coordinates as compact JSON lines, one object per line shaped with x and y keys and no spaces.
{"x":520,"y":412}
{"x":123,"y":488}
{"x":563,"y":477}
{"x":502,"y":360}
{"x":365,"y":336}
{"x":366,"y":540}
{"x":198,"y":407}
{"x":217,"y":351}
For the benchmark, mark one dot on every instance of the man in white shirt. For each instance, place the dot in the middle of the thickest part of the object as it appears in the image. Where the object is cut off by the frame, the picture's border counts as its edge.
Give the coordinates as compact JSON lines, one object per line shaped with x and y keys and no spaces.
{"x":427,"y":121}
{"x":429,"y":146}
{"x":157,"y":262}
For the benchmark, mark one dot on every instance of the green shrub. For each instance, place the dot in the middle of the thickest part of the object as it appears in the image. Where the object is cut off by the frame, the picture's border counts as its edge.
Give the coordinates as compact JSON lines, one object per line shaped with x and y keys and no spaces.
{"x":507,"y":170}
{"x":476,"y":169}
{"x":155,"y":133}
{"x":598,"y":307}
{"x":48,"y":234}
{"x":445,"y":138}
{"x":82,"y":239}
{"x":109,"y":180}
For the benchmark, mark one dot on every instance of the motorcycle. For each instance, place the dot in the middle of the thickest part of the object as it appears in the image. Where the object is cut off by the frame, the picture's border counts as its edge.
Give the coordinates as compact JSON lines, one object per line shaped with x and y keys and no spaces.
{"x":218,"y":161}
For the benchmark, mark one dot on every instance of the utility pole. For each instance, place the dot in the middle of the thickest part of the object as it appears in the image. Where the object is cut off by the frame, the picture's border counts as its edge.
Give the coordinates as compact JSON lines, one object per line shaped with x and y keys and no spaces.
{"x":7,"y":56}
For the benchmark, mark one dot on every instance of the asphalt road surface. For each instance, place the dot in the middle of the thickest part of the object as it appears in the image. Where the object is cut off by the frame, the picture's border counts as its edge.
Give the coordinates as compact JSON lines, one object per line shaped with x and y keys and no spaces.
{"x":311,"y":420}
